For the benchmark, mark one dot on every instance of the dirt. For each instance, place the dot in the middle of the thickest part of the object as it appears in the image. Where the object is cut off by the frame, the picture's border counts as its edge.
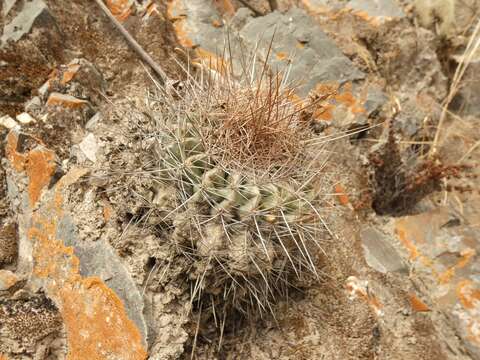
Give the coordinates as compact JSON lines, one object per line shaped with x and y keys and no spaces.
{"x":315,"y":321}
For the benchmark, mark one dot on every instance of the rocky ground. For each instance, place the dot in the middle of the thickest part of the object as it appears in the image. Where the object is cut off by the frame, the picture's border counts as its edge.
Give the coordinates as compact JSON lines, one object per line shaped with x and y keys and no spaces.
{"x":87,"y":270}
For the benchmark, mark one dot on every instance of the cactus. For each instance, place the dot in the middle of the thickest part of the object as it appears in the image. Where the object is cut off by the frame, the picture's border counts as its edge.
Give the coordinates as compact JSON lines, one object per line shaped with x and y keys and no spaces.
{"x":242,"y":235}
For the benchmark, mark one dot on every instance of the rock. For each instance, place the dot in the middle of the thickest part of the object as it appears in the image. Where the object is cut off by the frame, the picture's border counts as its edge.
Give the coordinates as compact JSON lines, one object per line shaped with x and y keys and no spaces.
{"x":66,"y":101}
{"x":241,"y":17}
{"x":7,"y":280}
{"x":378,"y":8}
{"x":93,"y":122}
{"x":25,"y":118}
{"x":467,"y":99}
{"x":89,"y":147}
{"x":80,"y":79}
{"x":194,"y":25}
{"x":99,"y":259}
{"x":43,"y":90}
{"x":33,"y":105}
{"x":87,"y":304}
{"x":121,"y":9}
{"x":376,"y":98}
{"x":7,"y":122}
{"x":23,"y":22}
{"x":301,"y":47}
{"x":448,"y":254}
{"x":379,"y":252}
{"x":7,"y":6}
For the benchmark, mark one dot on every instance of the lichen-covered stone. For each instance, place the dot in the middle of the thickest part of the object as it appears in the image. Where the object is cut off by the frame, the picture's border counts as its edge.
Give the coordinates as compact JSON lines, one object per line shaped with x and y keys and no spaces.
{"x":96,"y":322}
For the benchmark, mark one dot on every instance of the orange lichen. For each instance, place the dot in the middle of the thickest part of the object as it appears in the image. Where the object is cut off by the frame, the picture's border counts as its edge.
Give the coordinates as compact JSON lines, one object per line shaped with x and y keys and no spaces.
{"x":469,"y":296}
{"x":16,"y":159}
{"x":40,"y":166}
{"x":358,"y":289}
{"x":7,"y":279}
{"x":121,"y":9}
{"x":447,"y":275}
{"x":67,"y":101}
{"x":314,"y":9}
{"x":346,"y":98}
{"x":342,"y":196}
{"x":417,"y":304}
{"x":100,"y":328}
{"x":409,"y":245}
{"x":225,"y":7}
{"x":324,"y":112}
{"x":94,"y":316}
{"x":3,"y":357}
{"x":413,"y":230}
{"x":69,"y":73}
{"x":107,"y":212}
{"x":182,"y":37}
{"x":179,"y":24}
{"x":212,"y":61}
{"x":281,"y":55}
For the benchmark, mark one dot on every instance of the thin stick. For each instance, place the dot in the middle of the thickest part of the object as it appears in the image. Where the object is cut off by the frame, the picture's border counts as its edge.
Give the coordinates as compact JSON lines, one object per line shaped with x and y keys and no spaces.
{"x":256,"y":12}
{"x":133,"y":43}
{"x":472,"y":47}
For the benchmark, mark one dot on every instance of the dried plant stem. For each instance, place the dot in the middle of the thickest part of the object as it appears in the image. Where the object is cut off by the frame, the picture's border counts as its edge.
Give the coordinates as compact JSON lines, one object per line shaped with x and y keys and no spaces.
{"x":133,"y":43}
{"x":255,"y":11}
{"x":470,"y":51}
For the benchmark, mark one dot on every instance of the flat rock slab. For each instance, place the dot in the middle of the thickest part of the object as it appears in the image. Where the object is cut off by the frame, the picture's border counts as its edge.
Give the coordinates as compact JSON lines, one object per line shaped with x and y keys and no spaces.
{"x":448,"y":254}
{"x":379,"y":252}
{"x":378,"y":8}
{"x":300,"y":49}
{"x":371,"y":8}
{"x":23,"y":22}
{"x":303,"y":55}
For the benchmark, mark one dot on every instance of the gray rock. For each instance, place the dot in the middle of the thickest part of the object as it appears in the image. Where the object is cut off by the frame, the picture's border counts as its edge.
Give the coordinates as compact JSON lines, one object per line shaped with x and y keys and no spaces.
{"x":379,"y":252}
{"x":33,"y":105}
{"x":7,"y":6}
{"x":467,"y":100}
{"x":89,"y":147}
{"x":7,"y":122}
{"x":200,"y":15}
{"x":99,"y":259}
{"x":380,"y":8}
{"x":300,"y":47}
{"x":241,"y":17}
{"x":23,"y":22}
{"x":93,"y":122}
{"x":376,"y":98}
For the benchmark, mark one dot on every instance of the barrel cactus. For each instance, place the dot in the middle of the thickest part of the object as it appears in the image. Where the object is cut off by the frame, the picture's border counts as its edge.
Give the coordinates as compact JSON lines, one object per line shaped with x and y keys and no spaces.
{"x":247,"y":236}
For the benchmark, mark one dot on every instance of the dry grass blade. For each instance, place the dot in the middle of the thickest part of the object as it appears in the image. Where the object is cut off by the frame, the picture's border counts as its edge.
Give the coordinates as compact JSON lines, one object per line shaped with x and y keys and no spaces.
{"x":472,"y":48}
